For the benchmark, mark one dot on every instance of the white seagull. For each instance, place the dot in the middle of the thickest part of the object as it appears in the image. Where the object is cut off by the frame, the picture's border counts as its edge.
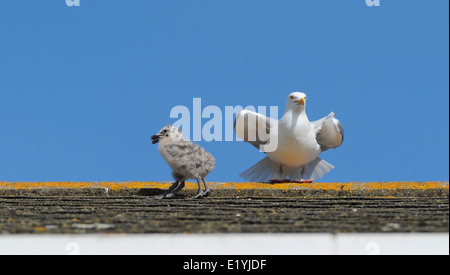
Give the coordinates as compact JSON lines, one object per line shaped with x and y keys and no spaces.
{"x":292,"y":144}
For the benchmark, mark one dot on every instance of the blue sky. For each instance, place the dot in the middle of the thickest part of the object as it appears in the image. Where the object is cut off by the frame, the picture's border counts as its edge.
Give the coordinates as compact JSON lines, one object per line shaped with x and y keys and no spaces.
{"x":83,"y":88}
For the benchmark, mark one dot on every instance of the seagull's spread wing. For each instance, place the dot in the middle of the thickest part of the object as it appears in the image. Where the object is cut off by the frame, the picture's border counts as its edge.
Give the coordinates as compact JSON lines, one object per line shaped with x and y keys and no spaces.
{"x":253,"y":128}
{"x":330,"y":133}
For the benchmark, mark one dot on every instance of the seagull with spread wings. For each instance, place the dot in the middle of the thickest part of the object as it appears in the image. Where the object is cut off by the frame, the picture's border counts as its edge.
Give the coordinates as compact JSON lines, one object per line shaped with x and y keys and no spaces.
{"x":292,"y":144}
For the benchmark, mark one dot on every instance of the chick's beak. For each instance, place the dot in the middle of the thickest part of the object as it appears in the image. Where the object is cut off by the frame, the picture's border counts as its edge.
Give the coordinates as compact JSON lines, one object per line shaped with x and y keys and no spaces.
{"x":301,"y":101}
{"x":154,"y":139}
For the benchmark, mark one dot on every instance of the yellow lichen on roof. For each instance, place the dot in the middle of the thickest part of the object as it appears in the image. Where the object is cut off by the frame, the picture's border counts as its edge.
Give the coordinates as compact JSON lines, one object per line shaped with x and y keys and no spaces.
{"x":337,"y":186}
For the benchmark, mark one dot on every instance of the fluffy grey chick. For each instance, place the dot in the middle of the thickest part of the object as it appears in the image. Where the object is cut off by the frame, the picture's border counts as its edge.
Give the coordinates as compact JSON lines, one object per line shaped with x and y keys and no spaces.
{"x":187,"y":160}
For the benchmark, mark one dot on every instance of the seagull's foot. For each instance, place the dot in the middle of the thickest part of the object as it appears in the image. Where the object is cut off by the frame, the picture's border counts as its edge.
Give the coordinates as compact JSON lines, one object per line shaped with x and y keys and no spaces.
{"x":302,"y":181}
{"x":279,"y":180}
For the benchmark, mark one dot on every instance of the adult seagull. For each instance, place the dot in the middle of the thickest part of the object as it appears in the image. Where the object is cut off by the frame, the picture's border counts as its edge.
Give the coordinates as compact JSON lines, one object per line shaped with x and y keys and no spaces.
{"x":292,"y":144}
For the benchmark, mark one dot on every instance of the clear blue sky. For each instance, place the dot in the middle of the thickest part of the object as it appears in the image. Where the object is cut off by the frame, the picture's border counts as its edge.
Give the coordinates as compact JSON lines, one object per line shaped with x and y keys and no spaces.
{"x":83,"y":88}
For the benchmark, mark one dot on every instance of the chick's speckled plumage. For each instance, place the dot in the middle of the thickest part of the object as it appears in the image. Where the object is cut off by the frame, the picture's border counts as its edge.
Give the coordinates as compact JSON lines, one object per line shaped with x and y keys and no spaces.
{"x":187,"y":160}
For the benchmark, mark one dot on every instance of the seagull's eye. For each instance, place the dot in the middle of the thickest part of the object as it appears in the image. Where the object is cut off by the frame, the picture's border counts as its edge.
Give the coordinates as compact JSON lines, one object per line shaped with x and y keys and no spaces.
{"x":292,"y":97}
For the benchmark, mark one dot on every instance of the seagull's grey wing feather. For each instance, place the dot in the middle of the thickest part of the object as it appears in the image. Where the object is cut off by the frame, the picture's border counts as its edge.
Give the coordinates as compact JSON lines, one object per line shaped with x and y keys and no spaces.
{"x":330,"y":133}
{"x":253,"y":128}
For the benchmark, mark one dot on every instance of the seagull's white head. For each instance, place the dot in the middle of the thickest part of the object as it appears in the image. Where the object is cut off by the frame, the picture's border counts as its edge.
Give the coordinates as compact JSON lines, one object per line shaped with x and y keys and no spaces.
{"x":167,"y":133}
{"x":296,"y":101}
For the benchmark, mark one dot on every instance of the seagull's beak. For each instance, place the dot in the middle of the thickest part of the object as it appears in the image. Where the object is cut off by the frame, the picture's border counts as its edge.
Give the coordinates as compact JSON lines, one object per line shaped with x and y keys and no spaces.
{"x":154,"y":139}
{"x":301,"y":101}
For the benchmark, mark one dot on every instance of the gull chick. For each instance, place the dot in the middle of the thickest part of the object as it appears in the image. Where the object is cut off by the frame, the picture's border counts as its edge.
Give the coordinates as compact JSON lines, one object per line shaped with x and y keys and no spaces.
{"x":187,"y":160}
{"x":298,"y":142}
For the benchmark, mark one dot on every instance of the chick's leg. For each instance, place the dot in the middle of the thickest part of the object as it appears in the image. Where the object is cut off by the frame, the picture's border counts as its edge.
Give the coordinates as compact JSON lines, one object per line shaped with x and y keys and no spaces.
{"x":179,"y":187}
{"x":200,"y":191}
{"x":168,"y":193}
{"x":207,"y":190}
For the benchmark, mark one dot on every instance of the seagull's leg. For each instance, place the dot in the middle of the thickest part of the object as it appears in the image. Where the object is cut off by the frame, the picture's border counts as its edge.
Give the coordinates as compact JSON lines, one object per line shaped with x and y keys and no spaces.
{"x":168,"y":191}
{"x":302,"y":181}
{"x":279,"y":179}
{"x":200,"y":191}
{"x":207,"y":190}
{"x":276,"y":176}
{"x":302,"y":173}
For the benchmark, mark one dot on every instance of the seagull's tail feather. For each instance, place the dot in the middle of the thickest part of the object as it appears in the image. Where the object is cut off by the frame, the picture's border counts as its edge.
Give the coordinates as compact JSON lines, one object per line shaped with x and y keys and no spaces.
{"x":266,"y":168}
{"x":261,"y":171}
{"x":317,"y":169}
